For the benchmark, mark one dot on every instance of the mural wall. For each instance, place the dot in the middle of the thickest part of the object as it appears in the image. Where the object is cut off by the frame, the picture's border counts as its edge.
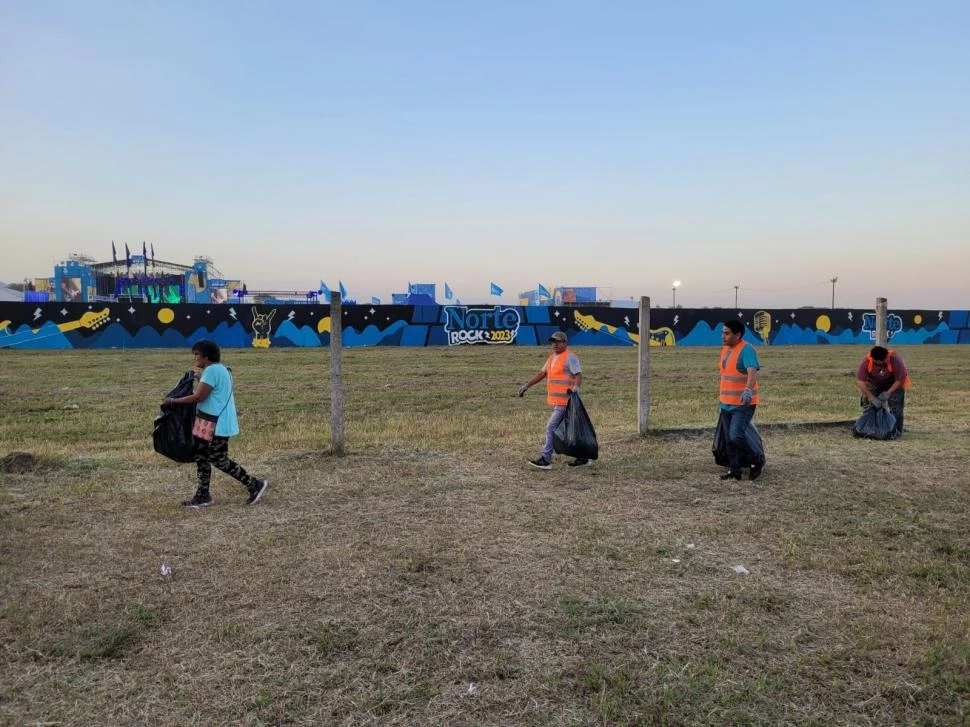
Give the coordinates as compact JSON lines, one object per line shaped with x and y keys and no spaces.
{"x":146,"y":325}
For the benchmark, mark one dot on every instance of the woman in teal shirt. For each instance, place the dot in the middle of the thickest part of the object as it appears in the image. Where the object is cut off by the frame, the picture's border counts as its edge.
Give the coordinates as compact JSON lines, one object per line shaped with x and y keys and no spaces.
{"x":215,"y":402}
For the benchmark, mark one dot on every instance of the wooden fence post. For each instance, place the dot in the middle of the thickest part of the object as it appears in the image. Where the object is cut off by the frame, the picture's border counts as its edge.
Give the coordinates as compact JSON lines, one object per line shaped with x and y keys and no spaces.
{"x":882,"y":333}
{"x":336,"y":375}
{"x":643,"y":371}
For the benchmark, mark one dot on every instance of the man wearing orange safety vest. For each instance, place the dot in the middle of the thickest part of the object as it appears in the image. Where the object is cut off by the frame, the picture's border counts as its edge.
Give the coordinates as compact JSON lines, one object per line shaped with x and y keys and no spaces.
{"x":563,"y":374}
{"x":739,"y":396}
{"x":882,"y":379}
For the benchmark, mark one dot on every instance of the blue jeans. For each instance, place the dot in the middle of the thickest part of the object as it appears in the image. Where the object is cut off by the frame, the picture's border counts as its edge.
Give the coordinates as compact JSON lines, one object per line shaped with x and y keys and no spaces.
{"x":558,"y":412}
{"x":738,"y":421}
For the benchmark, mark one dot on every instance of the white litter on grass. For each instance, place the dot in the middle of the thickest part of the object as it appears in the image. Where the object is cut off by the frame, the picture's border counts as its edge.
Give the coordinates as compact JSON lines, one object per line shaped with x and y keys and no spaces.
{"x":472,"y":688}
{"x":740,"y":570}
{"x":690,"y":546}
{"x":675,"y":560}
{"x":166,"y":571}
{"x":72,"y":406}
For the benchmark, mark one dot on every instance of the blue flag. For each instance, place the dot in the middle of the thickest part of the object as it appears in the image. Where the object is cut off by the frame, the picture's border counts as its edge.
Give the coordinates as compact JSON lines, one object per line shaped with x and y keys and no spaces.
{"x":375,"y":300}
{"x":324,"y":290}
{"x":542,"y":292}
{"x":447,"y":292}
{"x":495,"y":290}
{"x":343,"y":290}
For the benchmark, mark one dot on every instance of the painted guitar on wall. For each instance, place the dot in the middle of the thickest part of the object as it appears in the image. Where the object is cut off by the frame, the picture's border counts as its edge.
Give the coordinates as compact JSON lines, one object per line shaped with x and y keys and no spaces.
{"x":90,"y":320}
{"x":658,"y":336}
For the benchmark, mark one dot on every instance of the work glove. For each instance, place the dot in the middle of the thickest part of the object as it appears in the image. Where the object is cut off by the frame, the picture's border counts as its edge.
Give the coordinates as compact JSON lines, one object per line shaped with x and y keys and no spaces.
{"x":746,"y":396}
{"x":874,"y":401}
{"x":522,"y":389}
{"x":884,"y":396}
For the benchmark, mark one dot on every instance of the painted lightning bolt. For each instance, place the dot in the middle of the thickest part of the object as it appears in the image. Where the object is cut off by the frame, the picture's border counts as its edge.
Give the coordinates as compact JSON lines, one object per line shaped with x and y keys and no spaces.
{"x":850,"y":315}
{"x":626,"y":319}
{"x":290,"y":316}
{"x":232,"y":312}
{"x":939,"y":316}
{"x":37,"y":314}
{"x":676,"y":318}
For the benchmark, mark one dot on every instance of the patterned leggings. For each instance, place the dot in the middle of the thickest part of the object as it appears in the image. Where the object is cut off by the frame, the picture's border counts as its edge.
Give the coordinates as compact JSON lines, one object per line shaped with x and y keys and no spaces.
{"x":216,"y":453}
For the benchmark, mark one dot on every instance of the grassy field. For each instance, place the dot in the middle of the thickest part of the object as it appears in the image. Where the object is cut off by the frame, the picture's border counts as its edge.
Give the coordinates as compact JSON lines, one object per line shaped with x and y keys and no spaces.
{"x":432,"y":577}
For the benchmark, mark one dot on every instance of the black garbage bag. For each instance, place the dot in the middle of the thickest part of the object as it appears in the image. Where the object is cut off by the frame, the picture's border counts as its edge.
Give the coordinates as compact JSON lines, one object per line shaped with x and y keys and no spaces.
{"x":172,"y":434}
{"x":755,"y":454}
{"x":574,"y":436}
{"x":876,"y":422}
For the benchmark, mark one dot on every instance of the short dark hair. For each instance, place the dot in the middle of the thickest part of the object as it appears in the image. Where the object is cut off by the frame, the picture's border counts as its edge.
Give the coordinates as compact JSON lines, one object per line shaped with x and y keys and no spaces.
{"x":209,"y":349}
{"x":735,"y":325}
{"x":878,"y":353}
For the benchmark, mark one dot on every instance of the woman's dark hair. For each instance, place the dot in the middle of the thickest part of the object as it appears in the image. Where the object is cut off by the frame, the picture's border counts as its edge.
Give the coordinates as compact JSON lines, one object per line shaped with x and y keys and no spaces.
{"x":209,"y":349}
{"x":735,"y":325}
{"x":878,"y":353}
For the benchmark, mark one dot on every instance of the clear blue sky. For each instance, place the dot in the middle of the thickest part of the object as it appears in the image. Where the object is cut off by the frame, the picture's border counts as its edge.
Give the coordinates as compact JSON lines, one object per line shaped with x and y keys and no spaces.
{"x":762,"y":144}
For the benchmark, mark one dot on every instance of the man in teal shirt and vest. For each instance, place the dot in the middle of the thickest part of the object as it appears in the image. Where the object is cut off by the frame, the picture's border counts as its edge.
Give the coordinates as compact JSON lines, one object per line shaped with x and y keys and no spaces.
{"x":739,"y":367}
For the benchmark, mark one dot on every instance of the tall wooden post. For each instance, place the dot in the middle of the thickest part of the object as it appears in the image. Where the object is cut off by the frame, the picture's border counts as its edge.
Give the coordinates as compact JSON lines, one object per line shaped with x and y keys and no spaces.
{"x":643,"y":370}
{"x":882,"y":332}
{"x":336,"y":375}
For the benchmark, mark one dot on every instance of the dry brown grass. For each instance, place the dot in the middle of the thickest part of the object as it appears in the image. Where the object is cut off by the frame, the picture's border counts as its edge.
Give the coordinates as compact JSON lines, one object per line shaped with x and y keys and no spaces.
{"x":375,"y":588}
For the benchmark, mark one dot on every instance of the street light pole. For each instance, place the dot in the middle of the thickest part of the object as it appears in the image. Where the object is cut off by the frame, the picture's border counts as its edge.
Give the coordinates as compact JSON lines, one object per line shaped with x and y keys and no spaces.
{"x":674,"y":289}
{"x":736,"y":296}
{"x":834,"y":281}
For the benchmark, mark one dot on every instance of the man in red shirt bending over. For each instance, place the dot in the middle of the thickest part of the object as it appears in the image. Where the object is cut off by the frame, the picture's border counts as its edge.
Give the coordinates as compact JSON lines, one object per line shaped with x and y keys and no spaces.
{"x":882,"y":377}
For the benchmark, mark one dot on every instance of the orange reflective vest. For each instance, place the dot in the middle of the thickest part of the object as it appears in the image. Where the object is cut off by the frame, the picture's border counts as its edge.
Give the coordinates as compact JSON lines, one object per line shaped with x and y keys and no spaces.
{"x":558,"y":379}
{"x":733,"y":382}
{"x":889,"y":366}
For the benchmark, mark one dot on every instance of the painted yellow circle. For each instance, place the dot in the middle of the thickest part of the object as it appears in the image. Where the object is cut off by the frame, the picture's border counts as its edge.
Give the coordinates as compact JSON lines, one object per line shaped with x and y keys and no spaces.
{"x":166,"y":315}
{"x":823,"y":323}
{"x":917,"y":319}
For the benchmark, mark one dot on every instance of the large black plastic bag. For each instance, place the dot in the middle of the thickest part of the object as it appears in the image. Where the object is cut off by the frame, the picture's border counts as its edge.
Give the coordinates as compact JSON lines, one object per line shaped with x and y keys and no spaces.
{"x":876,"y":422}
{"x":752,"y":437}
{"x":574,"y":436}
{"x":172,"y":435}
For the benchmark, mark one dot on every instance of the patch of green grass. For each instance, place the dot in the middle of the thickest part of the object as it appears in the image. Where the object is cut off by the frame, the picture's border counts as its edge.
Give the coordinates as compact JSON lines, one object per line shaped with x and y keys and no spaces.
{"x":331,"y":638}
{"x":106,"y":641}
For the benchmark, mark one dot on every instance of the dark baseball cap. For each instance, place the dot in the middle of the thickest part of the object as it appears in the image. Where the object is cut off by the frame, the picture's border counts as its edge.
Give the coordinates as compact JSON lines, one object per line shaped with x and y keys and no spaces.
{"x":559,"y":336}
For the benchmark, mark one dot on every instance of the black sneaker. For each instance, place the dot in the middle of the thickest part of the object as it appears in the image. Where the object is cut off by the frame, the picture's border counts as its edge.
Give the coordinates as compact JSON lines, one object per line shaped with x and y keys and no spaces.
{"x":541,"y":462}
{"x":198,"y":501}
{"x":755,"y":472}
{"x":578,"y":462}
{"x":257,"y":492}
{"x":731,"y":475}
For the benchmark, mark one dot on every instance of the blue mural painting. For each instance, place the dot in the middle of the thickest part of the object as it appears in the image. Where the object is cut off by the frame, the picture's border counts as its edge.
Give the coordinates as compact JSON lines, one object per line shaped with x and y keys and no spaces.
{"x":146,"y":325}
